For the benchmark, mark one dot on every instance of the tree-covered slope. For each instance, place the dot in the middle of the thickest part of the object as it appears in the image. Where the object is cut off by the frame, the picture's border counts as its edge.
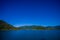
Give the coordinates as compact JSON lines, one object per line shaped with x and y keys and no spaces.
{"x":5,"y":26}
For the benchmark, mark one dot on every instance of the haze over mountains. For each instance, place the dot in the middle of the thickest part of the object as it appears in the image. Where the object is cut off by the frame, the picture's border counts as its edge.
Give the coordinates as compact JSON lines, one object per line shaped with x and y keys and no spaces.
{"x":5,"y":26}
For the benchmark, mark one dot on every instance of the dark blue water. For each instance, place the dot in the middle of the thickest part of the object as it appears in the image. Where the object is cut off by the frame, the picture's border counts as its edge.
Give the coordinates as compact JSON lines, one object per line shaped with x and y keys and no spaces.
{"x":30,"y":35}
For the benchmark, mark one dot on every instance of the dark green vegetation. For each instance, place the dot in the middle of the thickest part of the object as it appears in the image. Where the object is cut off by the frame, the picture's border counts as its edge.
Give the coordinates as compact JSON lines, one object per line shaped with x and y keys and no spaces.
{"x":6,"y":26}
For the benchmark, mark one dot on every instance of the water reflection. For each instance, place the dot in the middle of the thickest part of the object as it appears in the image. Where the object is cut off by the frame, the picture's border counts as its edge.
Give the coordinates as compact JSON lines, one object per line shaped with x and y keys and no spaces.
{"x":30,"y":35}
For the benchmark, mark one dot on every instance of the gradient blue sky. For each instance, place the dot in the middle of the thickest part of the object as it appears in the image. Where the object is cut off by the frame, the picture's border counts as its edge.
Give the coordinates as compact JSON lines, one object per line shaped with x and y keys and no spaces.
{"x":30,"y":12}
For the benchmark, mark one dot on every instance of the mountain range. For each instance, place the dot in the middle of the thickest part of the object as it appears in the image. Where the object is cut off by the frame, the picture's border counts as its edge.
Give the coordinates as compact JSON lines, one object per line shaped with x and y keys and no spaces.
{"x":5,"y":26}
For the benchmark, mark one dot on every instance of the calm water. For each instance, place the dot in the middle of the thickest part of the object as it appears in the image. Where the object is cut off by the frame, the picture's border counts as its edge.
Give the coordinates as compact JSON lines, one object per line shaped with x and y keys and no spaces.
{"x":30,"y":35}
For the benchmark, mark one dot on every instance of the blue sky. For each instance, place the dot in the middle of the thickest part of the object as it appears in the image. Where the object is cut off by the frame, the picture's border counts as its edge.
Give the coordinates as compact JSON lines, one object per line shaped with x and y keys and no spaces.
{"x":30,"y":12}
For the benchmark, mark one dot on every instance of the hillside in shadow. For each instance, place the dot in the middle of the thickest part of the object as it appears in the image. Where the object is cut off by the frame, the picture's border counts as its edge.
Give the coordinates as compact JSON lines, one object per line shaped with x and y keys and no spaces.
{"x":5,"y":26}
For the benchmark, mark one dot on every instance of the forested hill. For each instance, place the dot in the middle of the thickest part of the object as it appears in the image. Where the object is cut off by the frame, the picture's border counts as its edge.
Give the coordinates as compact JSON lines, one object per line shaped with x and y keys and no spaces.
{"x":5,"y":26}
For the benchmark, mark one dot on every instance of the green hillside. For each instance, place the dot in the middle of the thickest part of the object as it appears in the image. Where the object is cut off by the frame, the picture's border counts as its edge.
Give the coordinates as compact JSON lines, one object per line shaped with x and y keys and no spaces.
{"x":5,"y":26}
